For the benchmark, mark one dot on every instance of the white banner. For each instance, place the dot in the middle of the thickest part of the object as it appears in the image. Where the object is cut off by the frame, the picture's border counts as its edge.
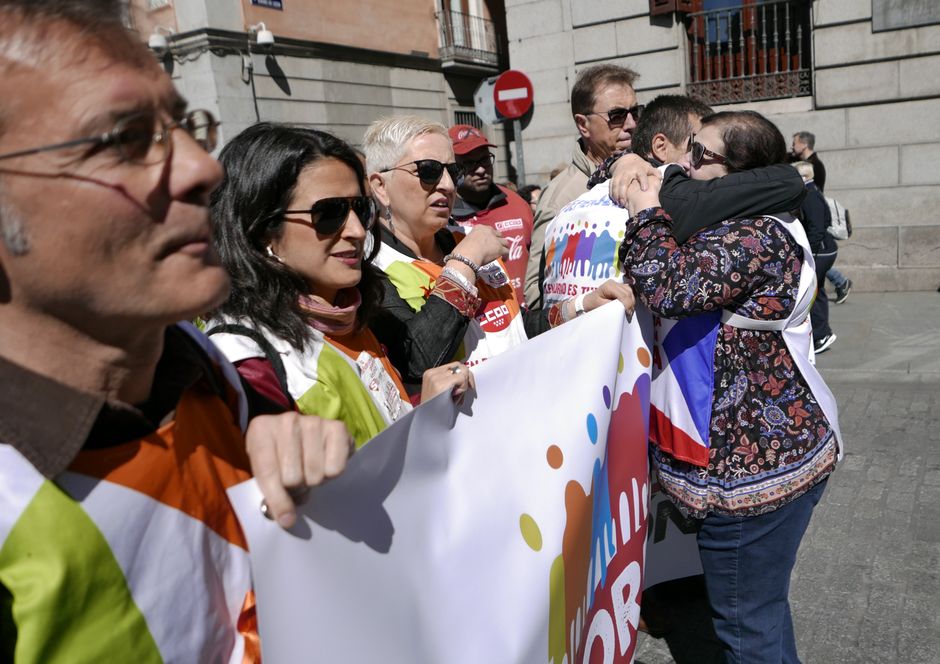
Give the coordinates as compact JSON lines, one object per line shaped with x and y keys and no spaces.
{"x":509,"y":530}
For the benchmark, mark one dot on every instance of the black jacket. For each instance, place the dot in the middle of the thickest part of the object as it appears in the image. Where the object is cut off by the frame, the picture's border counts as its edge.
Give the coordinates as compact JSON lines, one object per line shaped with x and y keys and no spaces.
{"x":422,"y":340}
{"x":695,"y":204}
{"x":816,"y":218}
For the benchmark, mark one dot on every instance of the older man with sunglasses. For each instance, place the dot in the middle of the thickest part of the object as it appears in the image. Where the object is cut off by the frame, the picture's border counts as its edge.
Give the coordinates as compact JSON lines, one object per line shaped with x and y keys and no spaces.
{"x":121,"y":430}
{"x":605,"y":112}
{"x":480,"y":201}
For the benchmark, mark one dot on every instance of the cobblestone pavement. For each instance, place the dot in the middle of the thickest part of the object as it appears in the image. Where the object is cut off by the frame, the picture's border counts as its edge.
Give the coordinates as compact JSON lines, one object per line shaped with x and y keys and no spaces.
{"x":866,"y":587}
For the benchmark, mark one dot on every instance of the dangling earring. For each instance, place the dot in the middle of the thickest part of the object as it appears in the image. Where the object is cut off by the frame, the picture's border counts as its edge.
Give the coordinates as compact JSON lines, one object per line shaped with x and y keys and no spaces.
{"x":270,"y":252}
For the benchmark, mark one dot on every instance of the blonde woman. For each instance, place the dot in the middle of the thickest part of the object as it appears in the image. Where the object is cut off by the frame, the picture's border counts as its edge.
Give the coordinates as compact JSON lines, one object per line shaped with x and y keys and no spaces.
{"x":446,"y":296}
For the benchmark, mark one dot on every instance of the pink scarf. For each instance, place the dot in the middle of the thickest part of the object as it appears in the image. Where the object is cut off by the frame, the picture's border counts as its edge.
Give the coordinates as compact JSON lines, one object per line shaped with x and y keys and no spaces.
{"x":335,"y":320}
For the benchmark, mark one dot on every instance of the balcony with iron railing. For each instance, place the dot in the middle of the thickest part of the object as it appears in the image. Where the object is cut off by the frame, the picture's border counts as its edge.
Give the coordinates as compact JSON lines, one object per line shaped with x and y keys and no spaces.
{"x":468,"y":42}
{"x":750,"y":51}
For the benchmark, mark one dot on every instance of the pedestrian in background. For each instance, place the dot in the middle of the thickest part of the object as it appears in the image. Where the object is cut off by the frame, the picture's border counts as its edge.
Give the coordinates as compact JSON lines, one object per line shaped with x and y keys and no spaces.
{"x":816,"y":219}
{"x":803,"y":148}
{"x":530,"y":194}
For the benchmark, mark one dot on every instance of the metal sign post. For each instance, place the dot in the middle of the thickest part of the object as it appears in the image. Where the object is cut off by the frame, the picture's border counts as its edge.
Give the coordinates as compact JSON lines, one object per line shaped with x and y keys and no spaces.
{"x":520,"y":160}
{"x":512,"y":94}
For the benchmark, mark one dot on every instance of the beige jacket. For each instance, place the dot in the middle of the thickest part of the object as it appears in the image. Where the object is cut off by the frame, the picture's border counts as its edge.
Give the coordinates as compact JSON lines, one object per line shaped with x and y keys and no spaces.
{"x":567,"y":186}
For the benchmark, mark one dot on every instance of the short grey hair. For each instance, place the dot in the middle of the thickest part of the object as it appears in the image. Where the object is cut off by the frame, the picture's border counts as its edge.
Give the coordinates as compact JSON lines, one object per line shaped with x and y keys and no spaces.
{"x":12,"y":229}
{"x":387,"y":139}
{"x":807,"y":137}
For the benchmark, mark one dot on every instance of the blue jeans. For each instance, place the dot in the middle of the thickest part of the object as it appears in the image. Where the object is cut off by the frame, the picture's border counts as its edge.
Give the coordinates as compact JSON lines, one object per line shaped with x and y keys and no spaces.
{"x":836,"y":278}
{"x":819,"y":312}
{"x":747,"y":563}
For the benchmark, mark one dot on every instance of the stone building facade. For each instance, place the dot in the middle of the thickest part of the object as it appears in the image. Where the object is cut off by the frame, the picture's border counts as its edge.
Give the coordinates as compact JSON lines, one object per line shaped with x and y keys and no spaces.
{"x":862,"y":75}
{"x":334,"y":65}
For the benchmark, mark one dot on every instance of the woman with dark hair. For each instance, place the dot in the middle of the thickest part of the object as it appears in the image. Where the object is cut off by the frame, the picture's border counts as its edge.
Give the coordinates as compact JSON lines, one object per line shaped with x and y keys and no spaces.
{"x":733,"y":355}
{"x":296,"y":231}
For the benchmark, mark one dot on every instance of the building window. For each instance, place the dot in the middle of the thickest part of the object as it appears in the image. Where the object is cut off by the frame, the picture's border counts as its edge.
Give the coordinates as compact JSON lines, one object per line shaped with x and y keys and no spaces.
{"x":468,"y":118}
{"x":467,"y":40}
{"x":748,"y":50}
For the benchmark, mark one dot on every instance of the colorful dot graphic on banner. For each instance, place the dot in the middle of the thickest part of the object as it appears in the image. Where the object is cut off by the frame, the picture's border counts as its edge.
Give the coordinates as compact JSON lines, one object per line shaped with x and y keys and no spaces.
{"x":592,"y":428}
{"x":643,"y":356}
{"x":555,"y":457}
{"x":530,"y":532}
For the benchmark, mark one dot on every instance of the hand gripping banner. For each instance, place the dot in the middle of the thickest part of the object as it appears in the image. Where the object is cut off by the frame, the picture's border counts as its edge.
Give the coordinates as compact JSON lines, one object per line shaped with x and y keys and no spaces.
{"x":509,"y":529}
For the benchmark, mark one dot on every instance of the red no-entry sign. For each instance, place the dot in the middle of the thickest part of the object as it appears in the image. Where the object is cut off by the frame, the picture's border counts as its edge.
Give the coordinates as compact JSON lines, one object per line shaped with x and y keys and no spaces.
{"x":512,"y":94}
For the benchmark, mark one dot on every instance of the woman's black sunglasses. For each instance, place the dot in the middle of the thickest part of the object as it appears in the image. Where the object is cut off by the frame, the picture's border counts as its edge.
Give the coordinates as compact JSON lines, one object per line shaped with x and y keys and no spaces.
{"x":429,"y":171}
{"x":328,"y":215}
{"x":699,"y":152}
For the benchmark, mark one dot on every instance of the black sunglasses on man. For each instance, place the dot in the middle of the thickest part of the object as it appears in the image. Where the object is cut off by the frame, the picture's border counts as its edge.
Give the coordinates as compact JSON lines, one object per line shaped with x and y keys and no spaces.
{"x":616,"y":117}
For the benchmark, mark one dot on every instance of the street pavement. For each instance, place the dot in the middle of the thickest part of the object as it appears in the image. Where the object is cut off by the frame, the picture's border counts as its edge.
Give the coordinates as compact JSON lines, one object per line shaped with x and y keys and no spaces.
{"x":866,"y":587}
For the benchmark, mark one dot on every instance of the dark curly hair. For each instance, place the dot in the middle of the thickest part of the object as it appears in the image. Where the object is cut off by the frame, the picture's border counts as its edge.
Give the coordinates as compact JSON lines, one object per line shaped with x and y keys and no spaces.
{"x":751,"y":140}
{"x":262,"y":165}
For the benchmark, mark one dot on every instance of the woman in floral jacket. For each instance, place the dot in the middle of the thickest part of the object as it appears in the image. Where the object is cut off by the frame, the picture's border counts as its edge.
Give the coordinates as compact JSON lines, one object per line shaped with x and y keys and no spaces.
{"x":772,"y":437}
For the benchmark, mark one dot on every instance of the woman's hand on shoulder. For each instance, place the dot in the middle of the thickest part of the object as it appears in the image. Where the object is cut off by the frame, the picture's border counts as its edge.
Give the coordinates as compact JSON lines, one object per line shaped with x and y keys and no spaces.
{"x":453,"y":376}
{"x":483,"y":245}
{"x":640,"y":199}
{"x":629,"y":169}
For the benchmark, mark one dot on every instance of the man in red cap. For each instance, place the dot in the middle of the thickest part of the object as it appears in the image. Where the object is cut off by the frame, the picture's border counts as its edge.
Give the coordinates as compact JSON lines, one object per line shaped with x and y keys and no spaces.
{"x":481,"y":201}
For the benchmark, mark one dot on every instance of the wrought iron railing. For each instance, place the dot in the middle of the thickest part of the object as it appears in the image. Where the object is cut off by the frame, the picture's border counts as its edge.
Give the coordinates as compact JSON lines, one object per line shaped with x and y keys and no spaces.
{"x":752,"y":51}
{"x":466,"y":38}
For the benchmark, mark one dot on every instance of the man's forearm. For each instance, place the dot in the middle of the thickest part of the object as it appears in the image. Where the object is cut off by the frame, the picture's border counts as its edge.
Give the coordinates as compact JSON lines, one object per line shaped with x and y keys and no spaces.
{"x":696,"y":204}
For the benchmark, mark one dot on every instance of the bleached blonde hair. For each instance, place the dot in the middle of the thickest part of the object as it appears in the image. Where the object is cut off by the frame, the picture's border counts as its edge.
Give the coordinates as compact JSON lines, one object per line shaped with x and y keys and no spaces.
{"x":805,"y":169}
{"x":386,"y":139}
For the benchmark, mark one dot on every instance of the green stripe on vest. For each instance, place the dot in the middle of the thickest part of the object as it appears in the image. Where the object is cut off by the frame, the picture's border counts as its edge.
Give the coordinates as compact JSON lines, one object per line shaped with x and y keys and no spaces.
{"x":411,"y":283}
{"x":65,"y":591}
{"x":339,"y":394}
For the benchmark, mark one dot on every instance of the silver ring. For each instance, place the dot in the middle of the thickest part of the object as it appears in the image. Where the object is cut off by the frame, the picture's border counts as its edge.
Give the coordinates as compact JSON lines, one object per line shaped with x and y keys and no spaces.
{"x":455,"y":370}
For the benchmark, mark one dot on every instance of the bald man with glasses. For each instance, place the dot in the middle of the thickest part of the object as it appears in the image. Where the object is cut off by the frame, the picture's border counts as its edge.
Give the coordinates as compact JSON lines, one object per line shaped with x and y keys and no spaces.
{"x":120,"y":428}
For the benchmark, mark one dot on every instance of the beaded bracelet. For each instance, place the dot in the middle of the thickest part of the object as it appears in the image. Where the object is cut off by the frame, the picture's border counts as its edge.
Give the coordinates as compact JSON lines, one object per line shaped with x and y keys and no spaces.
{"x":461,"y":280}
{"x":454,"y":294}
{"x":463,"y":259}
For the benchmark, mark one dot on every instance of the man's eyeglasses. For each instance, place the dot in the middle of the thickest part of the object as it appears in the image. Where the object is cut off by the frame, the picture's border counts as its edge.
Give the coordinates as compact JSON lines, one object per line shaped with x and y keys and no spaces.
{"x":429,"y":171}
{"x":699,"y":152}
{"x":468,"y":166}
{"x":133,"y":136}
{"x":328,"y":215}
{"x":617,"y":116}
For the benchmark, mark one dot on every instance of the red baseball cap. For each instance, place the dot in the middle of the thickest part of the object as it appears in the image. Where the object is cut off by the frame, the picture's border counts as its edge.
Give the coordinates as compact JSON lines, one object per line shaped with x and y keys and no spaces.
{"x":467,"y":138}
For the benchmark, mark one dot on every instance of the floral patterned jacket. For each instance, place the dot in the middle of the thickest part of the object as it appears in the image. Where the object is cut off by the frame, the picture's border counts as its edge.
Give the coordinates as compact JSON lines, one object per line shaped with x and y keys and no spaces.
{"x":770,"y":441}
